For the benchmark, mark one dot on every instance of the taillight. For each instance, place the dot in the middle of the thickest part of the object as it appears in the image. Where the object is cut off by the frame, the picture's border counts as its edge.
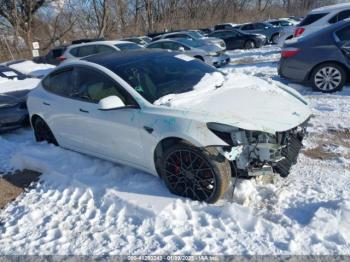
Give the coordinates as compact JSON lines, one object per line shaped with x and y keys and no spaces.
{"x":61,"y":58}
{"x":299,"y":31}
{"x":289,"y":52}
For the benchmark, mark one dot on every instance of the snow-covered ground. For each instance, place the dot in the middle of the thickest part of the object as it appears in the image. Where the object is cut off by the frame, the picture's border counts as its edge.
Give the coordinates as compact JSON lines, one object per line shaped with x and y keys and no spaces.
{"x":84,"y":205}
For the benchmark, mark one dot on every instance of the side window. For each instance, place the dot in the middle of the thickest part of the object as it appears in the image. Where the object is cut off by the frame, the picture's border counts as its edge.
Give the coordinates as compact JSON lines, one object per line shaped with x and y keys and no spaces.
{"x":247,"y":27}
{"x":172,"y":46}
{"x":231,"y":34}
{"x":60,"y":83}
{"x":156,"y":45}
{"x":104,"y":49}
{"x":87,"y":50}
{"x":219,"y":27}
{"x":217,"y":34}
{"x":92,"y":86}
{"x":74,"y":51}
{"x":259,"y":26}
{"x":340,"y":16}
{"x":344,"y":34}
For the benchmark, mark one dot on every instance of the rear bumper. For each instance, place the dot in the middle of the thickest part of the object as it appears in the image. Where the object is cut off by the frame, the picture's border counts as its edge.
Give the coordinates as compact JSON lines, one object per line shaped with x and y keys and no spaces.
{"x":13,"y":118}
{"x":289,"y":69}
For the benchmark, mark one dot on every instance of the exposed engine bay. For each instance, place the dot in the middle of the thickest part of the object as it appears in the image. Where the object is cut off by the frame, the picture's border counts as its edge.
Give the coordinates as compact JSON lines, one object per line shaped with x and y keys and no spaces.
{"x":256,"y":153}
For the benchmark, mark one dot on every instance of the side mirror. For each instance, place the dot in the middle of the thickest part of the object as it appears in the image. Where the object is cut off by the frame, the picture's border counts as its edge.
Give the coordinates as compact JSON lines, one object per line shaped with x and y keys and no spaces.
{"x":110,"y":103}
{"x":181,"y":48}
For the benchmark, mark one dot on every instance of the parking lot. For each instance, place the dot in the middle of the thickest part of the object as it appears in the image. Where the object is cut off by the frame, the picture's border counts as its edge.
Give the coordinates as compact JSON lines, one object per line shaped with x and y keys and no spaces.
{"x":84,"y":205}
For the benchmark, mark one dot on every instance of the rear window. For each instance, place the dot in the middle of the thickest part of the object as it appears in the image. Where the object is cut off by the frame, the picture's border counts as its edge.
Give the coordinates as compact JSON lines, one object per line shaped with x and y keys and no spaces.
{"x":309,"y":19}
{"x":344,"y":34}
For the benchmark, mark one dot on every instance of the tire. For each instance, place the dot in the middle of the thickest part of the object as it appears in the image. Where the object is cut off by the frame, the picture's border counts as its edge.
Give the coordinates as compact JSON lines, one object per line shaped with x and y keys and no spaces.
{"x":274,"y":38}
{"x":249,"y":44}
{"x":328,"y":77}
{"x":197,"y":173}
{"x":42,"y":132}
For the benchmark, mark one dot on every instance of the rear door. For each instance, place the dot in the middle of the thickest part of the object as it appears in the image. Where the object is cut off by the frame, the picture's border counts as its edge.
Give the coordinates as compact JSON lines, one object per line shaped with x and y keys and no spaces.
{"x":60,"y":110}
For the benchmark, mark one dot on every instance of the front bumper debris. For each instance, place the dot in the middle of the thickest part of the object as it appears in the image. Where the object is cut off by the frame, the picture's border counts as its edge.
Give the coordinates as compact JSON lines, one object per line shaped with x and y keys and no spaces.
{"x":266,"y":155}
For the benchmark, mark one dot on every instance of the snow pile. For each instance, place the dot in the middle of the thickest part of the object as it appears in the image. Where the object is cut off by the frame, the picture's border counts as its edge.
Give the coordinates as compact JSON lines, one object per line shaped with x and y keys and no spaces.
{"x":11,"y":85}
{"x":216,"y":82}
{"x":209,"y":82}
{"x":33,"y":69}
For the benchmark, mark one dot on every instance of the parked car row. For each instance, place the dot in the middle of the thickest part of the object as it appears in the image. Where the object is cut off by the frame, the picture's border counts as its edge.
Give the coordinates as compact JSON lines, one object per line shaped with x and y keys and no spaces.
{"x":161,"y":106}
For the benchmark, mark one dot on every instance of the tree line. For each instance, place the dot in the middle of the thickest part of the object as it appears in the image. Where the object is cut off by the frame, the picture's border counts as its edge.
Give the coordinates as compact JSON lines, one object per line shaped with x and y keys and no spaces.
{"x":55,"y":22}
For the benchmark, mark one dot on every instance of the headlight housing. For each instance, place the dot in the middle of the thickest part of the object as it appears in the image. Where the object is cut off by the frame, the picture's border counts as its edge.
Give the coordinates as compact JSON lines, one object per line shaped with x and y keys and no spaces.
{"x":213,"y":53}
{"x":235,"y":136}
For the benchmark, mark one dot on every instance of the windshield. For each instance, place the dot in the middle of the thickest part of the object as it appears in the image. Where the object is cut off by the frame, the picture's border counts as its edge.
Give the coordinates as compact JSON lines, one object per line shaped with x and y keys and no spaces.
{"x":158,"y":75}
{"x":190,"y":42}
{"x":128,"y":46}
{"x":195,"y":34}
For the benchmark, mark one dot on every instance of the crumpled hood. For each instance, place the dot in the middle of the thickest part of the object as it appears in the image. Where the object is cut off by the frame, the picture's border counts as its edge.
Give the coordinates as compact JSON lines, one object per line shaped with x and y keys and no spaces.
{"x":244,"y":101}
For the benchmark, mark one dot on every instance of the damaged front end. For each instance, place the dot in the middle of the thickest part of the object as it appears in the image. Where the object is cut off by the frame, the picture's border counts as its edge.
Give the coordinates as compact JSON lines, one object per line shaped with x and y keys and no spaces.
{"x":255,"y":153}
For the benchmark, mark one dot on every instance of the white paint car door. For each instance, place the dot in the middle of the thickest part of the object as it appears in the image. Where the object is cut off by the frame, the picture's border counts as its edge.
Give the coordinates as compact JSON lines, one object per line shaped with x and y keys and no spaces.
{"x":60,"y":110}
{"x":113,"y":134}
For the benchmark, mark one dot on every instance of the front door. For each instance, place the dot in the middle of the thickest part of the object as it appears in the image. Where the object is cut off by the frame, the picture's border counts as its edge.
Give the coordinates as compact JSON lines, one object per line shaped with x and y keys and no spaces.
{"x":113,"y":134}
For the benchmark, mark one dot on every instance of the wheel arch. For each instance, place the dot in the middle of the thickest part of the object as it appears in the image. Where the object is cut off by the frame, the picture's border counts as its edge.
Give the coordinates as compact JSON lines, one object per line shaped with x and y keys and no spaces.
{"x":164,"y":143}
{"x":34,"y":117}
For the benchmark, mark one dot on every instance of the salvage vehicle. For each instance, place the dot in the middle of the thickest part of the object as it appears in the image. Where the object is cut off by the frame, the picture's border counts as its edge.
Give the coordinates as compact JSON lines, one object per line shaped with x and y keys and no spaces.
{"x":322,"y":17}
{"x":235,"y":39}
{"x":271,"y":32}
{"x":192,"y":35}
{"x":208,"y":53}
{"x":91,"y":48}
{"x":170,"y":115}
{"x":321,"y":59}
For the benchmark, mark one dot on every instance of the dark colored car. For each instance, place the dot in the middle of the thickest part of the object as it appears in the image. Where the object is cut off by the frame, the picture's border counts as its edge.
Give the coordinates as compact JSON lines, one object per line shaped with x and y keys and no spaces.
{"x":270,"y":31}
{"x":321,"y":58}
{"x":53,"y":57}
{"x":13,"y":109}
{"x":234,"y":39}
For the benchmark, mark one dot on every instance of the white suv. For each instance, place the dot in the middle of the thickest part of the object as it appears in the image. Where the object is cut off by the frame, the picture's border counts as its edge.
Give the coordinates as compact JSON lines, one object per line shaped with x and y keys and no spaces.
{"x":91,"y":48}
{"x":322,"y":17}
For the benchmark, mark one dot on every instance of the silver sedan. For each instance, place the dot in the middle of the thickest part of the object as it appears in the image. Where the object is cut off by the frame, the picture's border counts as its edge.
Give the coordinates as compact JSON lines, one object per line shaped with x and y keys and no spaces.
{"x":208,"y":53}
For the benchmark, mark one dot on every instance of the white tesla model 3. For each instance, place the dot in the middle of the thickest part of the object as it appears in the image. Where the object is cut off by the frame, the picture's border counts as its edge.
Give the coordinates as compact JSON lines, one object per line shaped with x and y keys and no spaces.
{"x":118,"y":107}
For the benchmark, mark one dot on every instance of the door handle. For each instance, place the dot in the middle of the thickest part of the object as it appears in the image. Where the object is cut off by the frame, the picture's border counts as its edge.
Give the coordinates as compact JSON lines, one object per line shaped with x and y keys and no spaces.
{"x":84,"y":111}
{"x":46,"y":104}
